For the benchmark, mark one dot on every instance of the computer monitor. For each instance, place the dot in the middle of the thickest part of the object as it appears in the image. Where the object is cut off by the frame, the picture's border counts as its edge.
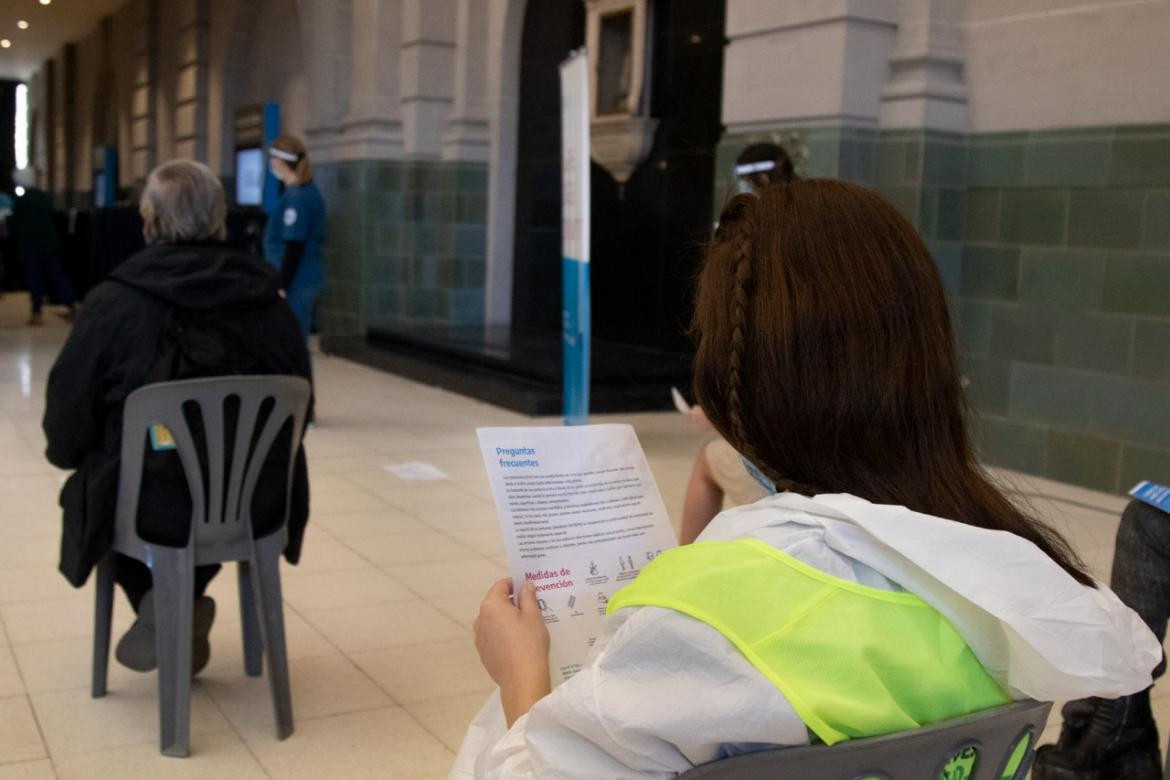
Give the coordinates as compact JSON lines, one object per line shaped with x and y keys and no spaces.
{"x":249,"y":176}
{"x":99,"y":190}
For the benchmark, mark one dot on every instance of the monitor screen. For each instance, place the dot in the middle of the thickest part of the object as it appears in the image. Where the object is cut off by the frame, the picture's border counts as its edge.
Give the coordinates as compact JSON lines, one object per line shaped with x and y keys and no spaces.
{"x":249,"y":176}
{"x":99,"y":190}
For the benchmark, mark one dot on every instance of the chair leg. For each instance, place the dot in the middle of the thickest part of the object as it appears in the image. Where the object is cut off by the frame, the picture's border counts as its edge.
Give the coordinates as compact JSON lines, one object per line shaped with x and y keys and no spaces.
{"x":174,"y":599}
{"x":250,"y":623}
{"x":103,"y":618}
{"x":266,"y":576}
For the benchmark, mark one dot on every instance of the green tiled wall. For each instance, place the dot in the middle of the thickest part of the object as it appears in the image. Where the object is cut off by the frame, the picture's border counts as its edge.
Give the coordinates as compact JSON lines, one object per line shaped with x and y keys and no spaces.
{"x":406,"y":243}
{"x":1055,"y":249}
{"x":1085,"y":328}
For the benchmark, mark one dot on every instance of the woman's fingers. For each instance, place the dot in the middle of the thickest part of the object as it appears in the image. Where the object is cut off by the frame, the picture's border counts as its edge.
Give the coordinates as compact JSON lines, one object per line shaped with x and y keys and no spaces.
{"x":528,"y":603}
{"x":499,"y":591}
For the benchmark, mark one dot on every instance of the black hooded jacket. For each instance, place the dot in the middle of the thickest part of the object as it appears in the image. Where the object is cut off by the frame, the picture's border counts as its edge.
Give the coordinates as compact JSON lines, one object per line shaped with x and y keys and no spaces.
{"x":124,"y":339}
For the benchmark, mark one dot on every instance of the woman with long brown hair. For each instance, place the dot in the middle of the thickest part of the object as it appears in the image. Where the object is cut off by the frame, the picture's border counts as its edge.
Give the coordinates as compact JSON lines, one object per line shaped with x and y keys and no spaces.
{"x":886,"y":585}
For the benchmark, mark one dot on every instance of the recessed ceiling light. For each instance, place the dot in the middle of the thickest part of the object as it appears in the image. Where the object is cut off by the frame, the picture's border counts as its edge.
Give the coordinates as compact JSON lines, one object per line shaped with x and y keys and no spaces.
{"x":5,"y":43}
{"x":22,"y":24}
{"x":46,"y":2}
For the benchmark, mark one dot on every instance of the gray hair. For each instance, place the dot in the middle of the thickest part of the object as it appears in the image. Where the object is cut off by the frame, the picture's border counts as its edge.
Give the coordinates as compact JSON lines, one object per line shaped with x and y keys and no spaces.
{"x":184,"y":201}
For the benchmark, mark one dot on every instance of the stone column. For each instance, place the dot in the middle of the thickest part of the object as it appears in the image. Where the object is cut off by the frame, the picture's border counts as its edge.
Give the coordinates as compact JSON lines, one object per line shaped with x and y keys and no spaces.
{"x":428,"y":74}
{"x":328,"y":30}
{"x":191,"y":84}
{"x":467,"y":136}
{"x":142,"y":114}
{"x":505,"y":34}
{"x":926,"y":87}
{"x":371,"y":123}
{"x":826,"y":62}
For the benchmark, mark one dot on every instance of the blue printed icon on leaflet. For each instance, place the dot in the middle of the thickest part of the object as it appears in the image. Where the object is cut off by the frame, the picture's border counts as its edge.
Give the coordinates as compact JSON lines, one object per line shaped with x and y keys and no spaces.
{"x":1157,"y":496}
{"x":161,"y":439}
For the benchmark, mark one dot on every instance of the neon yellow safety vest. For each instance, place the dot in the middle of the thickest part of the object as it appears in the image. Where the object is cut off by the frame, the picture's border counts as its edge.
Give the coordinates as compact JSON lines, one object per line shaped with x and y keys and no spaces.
{"x":853,"y":661}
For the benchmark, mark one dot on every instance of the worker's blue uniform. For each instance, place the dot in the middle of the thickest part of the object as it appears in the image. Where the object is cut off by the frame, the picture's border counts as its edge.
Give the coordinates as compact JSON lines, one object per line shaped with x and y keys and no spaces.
{"x":299,"y":216}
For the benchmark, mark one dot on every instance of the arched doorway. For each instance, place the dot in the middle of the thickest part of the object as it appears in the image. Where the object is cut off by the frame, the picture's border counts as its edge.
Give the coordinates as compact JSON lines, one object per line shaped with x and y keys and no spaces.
{"x":647,"y":237}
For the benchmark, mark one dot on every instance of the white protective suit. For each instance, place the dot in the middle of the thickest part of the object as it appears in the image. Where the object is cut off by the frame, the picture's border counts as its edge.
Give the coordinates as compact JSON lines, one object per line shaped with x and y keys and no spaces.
{"x":663,"y":692}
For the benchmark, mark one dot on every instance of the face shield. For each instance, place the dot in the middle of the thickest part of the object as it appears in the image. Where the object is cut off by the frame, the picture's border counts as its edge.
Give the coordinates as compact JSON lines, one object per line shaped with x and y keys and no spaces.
{"x":745,"y":171}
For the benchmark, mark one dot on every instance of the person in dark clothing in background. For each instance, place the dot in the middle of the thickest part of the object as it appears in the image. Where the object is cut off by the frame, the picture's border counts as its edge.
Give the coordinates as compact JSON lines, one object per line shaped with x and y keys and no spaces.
{"x":38,"y":247}
{"x":295,"y":232}
{"x":184,"y":307}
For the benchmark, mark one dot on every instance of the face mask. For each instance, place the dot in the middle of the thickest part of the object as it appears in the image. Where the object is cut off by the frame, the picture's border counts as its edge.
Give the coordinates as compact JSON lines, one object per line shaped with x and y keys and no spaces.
{"x":768,"y":485}
{"x":743,"y":186}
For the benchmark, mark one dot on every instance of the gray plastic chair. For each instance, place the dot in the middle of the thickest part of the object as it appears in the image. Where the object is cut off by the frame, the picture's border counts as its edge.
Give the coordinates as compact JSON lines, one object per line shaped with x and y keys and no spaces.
{"x":922,"y":754}
{"x":221,"y":530}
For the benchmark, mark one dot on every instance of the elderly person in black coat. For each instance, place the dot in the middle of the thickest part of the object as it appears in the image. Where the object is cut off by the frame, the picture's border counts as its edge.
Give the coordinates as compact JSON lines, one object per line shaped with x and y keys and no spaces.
{"x":186,"y":306}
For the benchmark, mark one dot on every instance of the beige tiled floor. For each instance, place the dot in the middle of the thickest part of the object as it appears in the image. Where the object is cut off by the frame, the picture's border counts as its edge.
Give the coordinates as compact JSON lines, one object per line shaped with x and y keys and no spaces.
{"x":384,"y":674}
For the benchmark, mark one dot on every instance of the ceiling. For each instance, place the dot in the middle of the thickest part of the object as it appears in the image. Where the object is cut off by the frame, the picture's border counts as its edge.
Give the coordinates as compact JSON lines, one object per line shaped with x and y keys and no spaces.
{"x":50,"y":28}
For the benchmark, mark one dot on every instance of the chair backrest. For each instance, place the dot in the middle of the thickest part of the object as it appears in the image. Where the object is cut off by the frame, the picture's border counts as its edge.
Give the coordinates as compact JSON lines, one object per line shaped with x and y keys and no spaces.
{"x":221,"y":496}
{"x":995,"y":744}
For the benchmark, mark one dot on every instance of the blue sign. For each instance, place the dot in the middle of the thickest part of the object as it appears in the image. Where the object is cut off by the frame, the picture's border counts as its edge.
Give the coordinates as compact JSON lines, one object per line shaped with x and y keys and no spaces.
{"x":271,"y":131}
{"x":575,"y":334}
{"x":575,"y":201}
{"x":1157,"y":496}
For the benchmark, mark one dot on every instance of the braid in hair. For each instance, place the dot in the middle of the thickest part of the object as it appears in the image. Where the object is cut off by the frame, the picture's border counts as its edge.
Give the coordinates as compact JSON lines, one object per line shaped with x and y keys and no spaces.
{"x":742,"y":271}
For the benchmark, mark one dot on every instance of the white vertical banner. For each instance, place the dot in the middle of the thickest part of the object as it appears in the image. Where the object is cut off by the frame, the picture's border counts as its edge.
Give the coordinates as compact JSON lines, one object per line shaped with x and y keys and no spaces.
{"x":575,"y":194}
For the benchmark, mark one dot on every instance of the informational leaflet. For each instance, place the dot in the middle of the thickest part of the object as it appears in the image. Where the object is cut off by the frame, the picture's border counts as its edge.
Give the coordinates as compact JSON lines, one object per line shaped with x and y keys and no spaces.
{"x":580,"y":515}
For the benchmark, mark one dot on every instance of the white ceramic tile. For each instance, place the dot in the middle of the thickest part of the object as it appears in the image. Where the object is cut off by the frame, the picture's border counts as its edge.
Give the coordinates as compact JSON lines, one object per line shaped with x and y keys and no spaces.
{"x":486,"y":542}
{"x":33,"y":584}
{"x":352,"y":500}
{"x":20,"y":740}
{"x":301,"y":639}
{"x":222,"y":755}
{"x":421,"y":672}
{"x":454,"y":519}
{"x":45,"y":621}
{"x":358,"y":587}
{"x":474,"y":576}
{"x":385,"y":743}
{"x":28,"y":770}
{"x":74,"y":722}
{"x":460,"y":607}
{"x":422,"y":547}
{"x":17,"y":527}
{"x":425,"y":496}
{"x":320,"y":555}
{"x":448,"y":718}
{"x":320,"y":687}
{"x":386,"y":520}
{"x":39,"y":552}
{"x":10,"y":679}
{"x":355,"y":629}
{"x":68,"y":663}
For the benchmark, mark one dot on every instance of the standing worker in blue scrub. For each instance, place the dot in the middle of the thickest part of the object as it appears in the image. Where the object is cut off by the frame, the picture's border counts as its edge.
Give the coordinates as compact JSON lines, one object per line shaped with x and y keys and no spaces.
{"x":296,"y":228}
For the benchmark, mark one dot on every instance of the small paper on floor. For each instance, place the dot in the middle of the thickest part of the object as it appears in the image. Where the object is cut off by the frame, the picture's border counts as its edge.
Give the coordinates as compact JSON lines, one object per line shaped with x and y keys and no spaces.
{"x":416,"y":471}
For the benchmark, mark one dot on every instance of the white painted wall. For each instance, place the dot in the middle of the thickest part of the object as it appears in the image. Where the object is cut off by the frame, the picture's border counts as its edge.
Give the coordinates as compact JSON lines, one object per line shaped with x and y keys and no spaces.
{"x":1035,"y":64}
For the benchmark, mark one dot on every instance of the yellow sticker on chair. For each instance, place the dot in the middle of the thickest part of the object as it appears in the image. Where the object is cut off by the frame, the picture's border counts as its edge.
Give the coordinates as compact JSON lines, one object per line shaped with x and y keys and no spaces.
{"x":161,"y":439}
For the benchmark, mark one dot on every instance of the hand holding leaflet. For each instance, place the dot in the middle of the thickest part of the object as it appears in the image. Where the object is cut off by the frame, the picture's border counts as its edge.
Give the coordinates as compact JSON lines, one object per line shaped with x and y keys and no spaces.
{"x":580,"y":515}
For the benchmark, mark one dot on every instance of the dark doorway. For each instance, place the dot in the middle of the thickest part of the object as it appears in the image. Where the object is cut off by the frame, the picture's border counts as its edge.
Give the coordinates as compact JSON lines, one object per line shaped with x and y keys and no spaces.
{"x":552,"y":29}
{"x":647,"y":236}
